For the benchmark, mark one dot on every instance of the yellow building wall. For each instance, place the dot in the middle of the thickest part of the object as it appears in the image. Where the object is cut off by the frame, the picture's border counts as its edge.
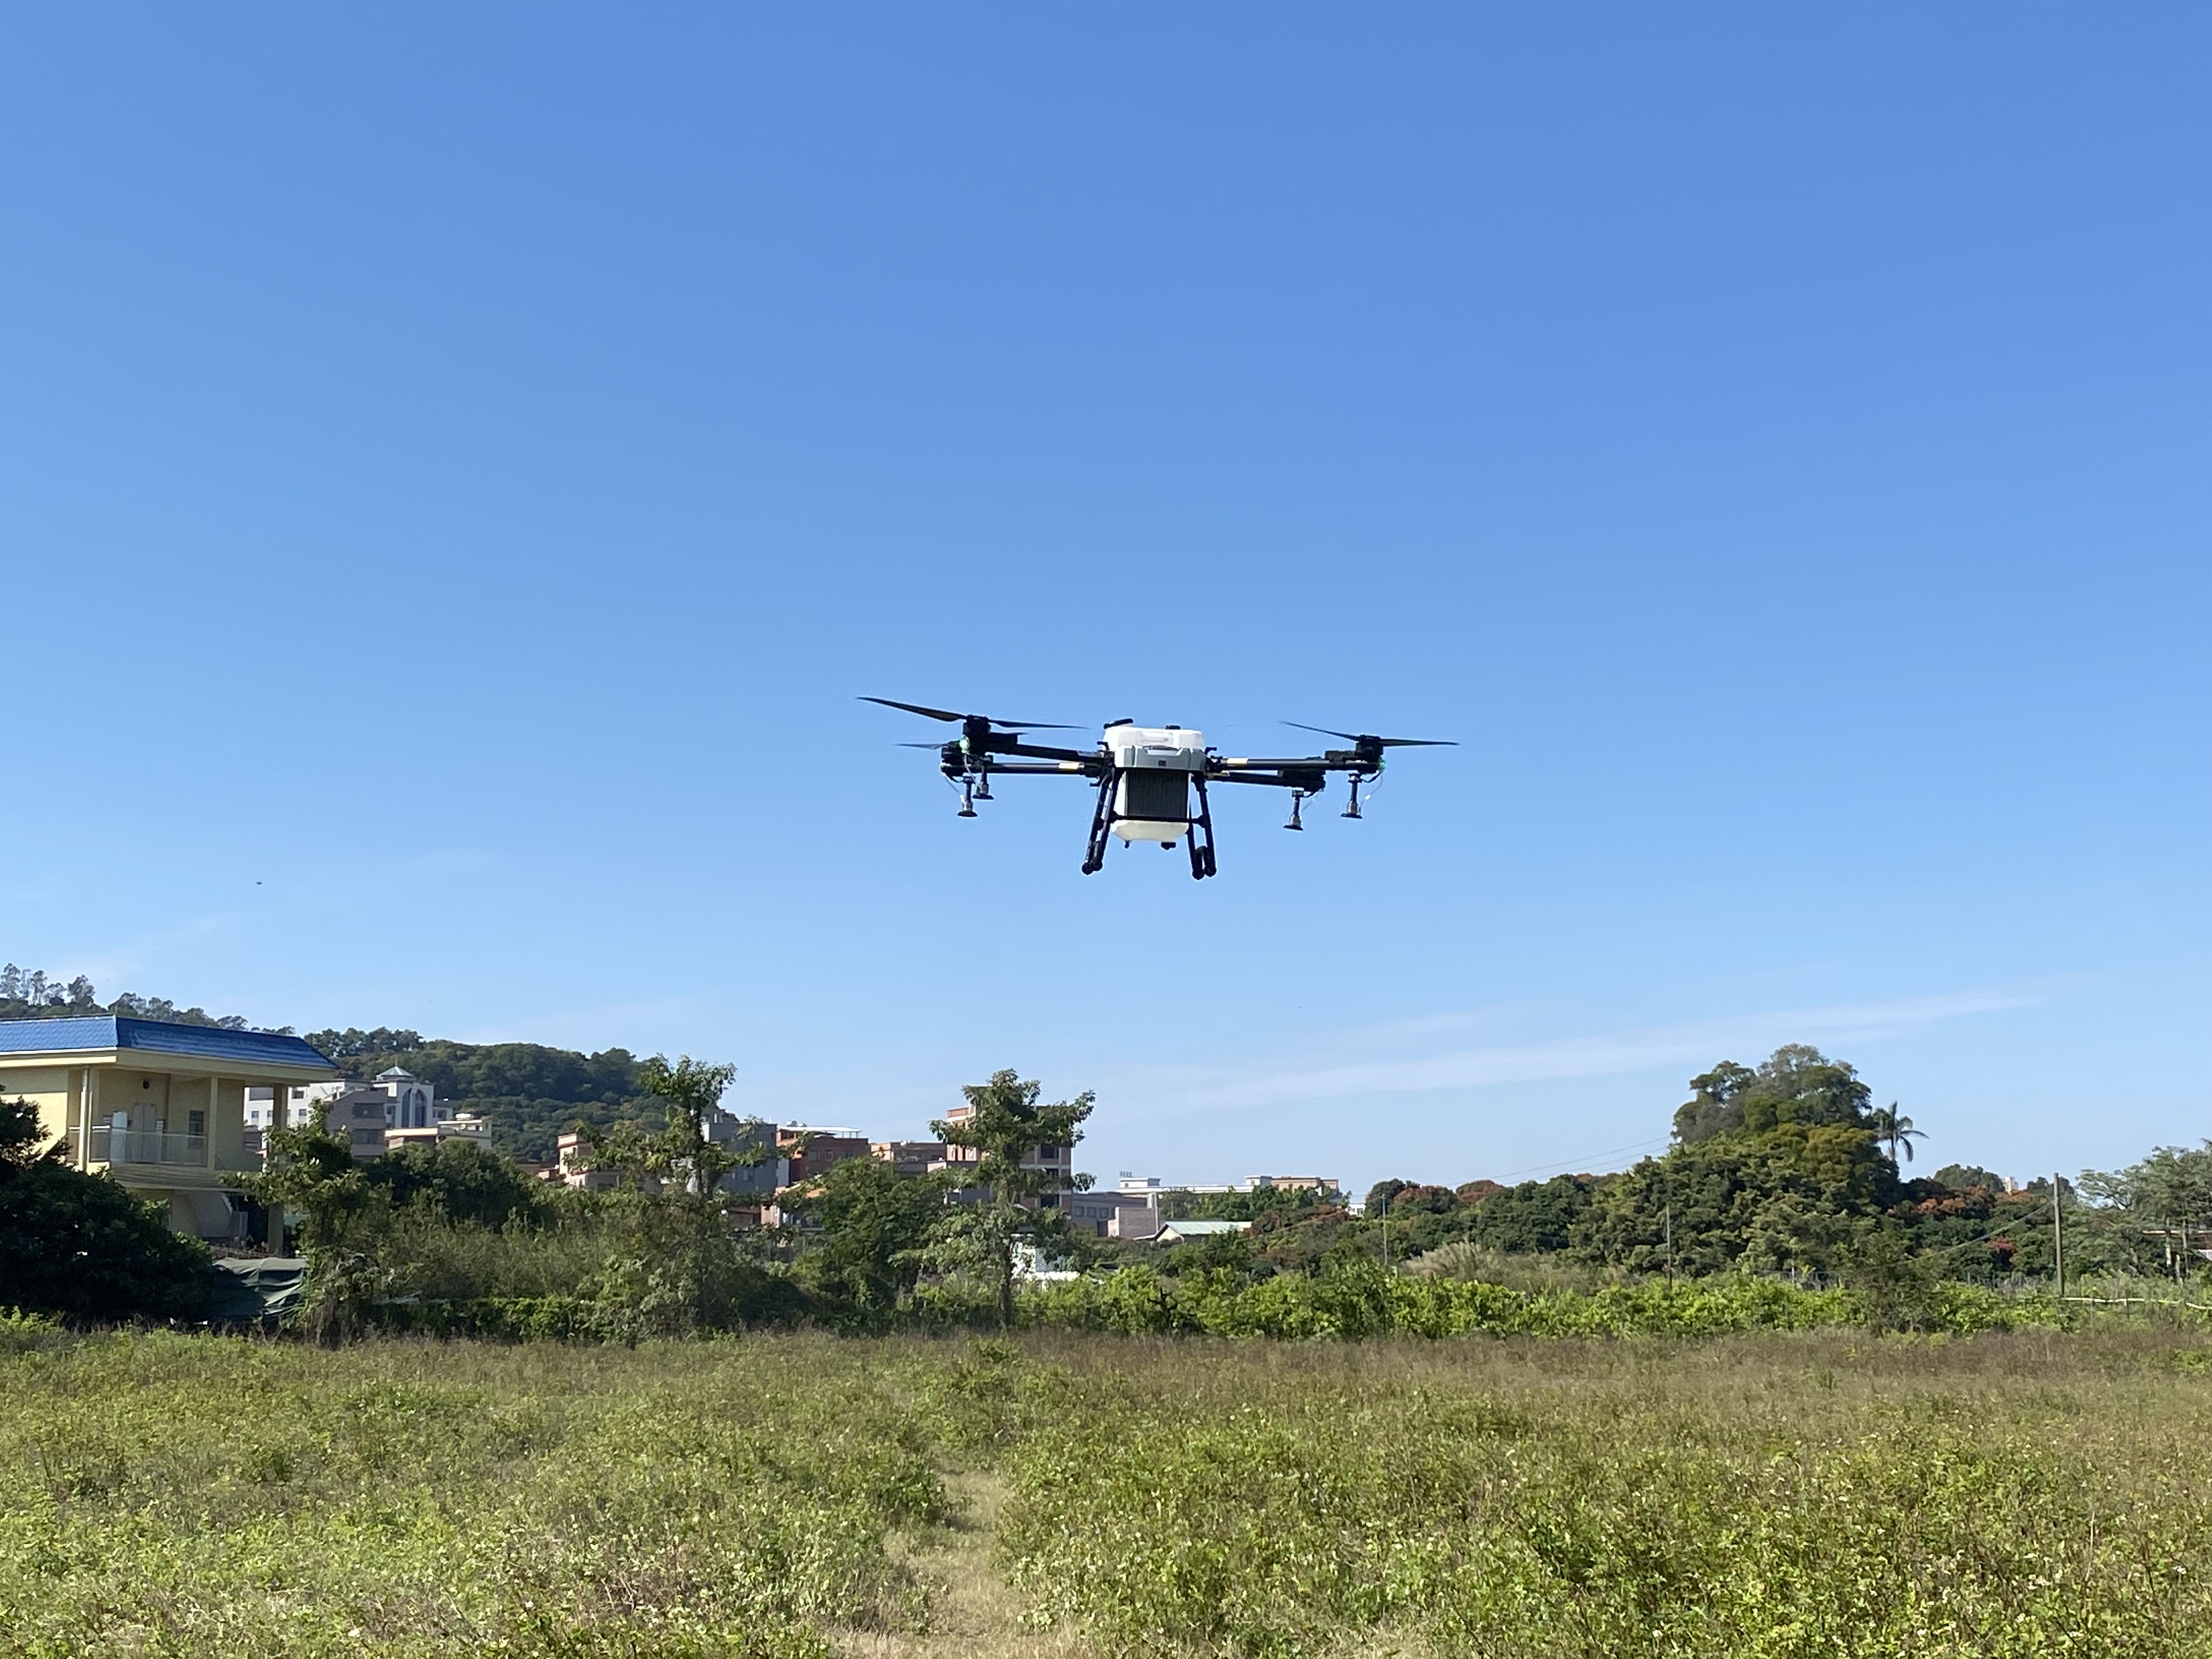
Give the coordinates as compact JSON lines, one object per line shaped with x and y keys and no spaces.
{"x":226,"y":1139}
{"x":47,"y":1087}
{"x":144,"y":1094}
{"x":190,"y":1097}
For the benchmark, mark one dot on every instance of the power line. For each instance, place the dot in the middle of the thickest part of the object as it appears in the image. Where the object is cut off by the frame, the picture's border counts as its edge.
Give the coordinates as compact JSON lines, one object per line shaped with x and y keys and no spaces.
{"x":1589,"y":1157}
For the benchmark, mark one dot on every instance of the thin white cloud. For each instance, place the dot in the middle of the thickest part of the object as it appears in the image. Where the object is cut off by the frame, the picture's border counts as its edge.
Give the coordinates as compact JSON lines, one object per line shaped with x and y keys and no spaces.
{"x":1270,"y":1081}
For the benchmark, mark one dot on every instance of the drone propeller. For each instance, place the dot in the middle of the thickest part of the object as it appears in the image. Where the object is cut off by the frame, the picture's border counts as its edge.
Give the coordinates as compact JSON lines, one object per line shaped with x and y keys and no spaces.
{"x":947,"y":715}
{"x":1379,"y":742}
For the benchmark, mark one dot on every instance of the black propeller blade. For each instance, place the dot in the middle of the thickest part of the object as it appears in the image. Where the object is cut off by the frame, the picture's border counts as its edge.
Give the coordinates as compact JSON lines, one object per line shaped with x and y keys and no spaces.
{"x":1379,"y":742}
{"x":947,"y":715}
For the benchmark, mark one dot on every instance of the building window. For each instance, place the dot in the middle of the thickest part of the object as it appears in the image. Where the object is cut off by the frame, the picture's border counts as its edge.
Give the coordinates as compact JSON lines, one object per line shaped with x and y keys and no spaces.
{"x":1048,"y":1153}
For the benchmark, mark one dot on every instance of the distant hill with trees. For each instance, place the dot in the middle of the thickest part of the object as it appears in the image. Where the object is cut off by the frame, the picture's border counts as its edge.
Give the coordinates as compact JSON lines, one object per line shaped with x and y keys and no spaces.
{"x":32,"y":993}
{"x":528,"y":1092}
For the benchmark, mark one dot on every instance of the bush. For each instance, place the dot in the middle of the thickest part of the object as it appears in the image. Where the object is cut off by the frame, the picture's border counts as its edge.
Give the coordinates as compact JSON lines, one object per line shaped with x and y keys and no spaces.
{"x":80,"y":1246}
{"x":1355,"y":1298}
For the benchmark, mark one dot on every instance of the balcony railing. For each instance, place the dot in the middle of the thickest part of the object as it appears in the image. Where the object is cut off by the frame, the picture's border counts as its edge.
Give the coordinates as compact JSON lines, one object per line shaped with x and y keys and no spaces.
{"x":113,"y":1145}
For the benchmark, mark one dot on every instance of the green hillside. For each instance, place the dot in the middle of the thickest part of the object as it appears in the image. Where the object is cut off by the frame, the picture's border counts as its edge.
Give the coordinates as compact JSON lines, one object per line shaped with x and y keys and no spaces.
{"x":528,"y":1092}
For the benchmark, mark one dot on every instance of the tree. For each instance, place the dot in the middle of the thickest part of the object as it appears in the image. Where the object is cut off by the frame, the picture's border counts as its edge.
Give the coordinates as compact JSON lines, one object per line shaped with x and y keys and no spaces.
{"x":1382,"y":1195}
{"x":312,"y":1172}
{"x":1782,"y":1200}
{"x":876,"y":1224}
{"x":684,"y":1267}
{"x":1897,"y":1131}
{"x":1531,"y":1218}
{"x":1797,"y":1084}
{"x":1179,"y":1203}
{"x":458,"y":1181}
{"x":1006,"y":1124}
{"x":80,"y":1245}
{"x":1715,"y":1106}
{"x":2170,"y":1190}
{"x":1962,"y":1178}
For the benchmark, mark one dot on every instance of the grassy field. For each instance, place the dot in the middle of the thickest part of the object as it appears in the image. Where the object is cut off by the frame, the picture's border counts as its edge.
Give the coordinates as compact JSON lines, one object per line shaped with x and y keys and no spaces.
{"x":1816,"y":1493}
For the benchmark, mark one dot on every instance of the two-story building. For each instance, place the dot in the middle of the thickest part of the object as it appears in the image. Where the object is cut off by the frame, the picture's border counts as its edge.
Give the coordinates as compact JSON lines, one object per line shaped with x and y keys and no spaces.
{"x":160,"y":1107}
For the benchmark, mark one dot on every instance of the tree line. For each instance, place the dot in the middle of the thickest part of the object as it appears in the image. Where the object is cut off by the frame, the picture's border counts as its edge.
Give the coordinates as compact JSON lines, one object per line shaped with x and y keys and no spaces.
{"x":1788,"y":1169}
{"x":1785,"y":1173}
{"x":453,"y":1235}
{"x":32,"y":993}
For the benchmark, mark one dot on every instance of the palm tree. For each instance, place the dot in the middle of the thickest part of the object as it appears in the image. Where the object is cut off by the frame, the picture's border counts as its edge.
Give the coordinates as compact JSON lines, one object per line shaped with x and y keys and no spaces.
{"x":1898,"y":1132}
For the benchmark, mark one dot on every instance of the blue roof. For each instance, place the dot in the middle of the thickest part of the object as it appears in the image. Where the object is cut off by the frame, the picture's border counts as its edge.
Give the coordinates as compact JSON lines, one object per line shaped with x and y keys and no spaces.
{"x":33,"y":1037}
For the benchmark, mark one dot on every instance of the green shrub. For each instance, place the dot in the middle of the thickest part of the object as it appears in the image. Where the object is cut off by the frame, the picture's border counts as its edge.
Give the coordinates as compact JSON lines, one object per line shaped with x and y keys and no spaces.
{"x":1737,"y":1503}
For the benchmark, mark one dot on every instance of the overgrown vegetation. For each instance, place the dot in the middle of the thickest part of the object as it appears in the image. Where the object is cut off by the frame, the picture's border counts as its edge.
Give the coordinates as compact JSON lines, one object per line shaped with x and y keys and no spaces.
{"x":79,"y":1245}
{"x":1786,"y":1201}
{"x":1779,"y":1495}
{"x":182,"y":1497}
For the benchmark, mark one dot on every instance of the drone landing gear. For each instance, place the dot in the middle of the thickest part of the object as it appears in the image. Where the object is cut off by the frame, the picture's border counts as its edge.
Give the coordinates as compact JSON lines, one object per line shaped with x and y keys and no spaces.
{"x":1298,"y":799}
{"x":1094,"y":855}
{"x":968,"y":796}
{"x":1353,"y":811}
{"x":1201,"y":836}
{"x":1201,"y":857}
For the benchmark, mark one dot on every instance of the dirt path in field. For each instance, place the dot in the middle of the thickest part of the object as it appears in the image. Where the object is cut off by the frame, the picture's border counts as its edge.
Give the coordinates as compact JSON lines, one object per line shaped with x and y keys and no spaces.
{"x":972,"y":1614}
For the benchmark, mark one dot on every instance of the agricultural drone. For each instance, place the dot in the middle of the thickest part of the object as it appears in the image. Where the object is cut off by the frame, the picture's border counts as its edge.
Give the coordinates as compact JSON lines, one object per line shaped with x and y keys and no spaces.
{"x":1151,"y":780}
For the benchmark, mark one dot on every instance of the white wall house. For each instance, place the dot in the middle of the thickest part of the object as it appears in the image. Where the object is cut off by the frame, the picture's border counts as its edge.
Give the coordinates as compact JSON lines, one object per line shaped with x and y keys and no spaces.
{"x":409,"y":1102}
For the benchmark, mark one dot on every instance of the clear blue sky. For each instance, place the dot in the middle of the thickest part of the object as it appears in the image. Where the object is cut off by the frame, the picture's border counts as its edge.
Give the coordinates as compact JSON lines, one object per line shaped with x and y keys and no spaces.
{"x":460,"y":465}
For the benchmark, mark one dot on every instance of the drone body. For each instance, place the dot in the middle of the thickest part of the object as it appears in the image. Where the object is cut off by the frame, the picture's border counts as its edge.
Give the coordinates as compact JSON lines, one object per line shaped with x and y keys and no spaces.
{"x":1151,"y":780}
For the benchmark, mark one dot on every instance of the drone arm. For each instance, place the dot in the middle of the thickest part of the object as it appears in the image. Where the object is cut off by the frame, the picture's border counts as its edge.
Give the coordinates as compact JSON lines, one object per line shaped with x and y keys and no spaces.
{"x":1057,"y":768}
{"x":1337,"y":761}
{"x":1038,"y":752}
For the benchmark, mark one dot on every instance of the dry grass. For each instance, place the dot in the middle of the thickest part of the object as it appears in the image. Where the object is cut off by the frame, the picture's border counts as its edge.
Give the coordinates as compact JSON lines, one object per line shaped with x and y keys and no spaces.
{"x":973,"y":1612}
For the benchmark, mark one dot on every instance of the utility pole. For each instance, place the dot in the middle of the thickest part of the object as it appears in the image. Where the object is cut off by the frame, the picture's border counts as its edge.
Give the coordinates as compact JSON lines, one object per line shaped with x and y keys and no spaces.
{"x":1670,"y":1243}
{"x":1382,"y":1218}
{"x":2059,"y":1237}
